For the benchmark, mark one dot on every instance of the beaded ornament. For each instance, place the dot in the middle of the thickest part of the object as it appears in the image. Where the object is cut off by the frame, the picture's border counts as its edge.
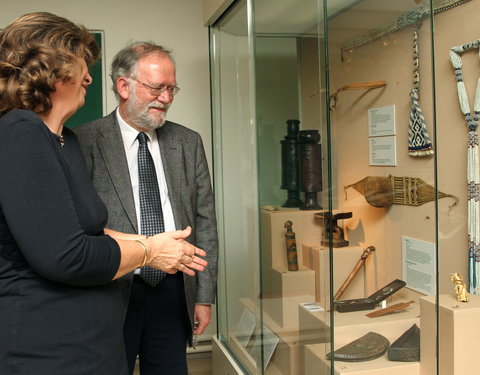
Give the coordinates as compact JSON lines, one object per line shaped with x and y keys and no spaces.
{"x":473,"y":176}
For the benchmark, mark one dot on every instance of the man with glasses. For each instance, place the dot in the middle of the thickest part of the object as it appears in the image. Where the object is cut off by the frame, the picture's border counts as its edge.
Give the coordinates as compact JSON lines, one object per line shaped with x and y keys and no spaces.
{"x":120,"y":151}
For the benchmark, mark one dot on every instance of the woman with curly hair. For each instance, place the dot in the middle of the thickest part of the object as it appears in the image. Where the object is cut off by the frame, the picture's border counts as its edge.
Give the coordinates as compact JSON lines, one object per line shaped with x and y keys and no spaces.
{"x":61,"y":306}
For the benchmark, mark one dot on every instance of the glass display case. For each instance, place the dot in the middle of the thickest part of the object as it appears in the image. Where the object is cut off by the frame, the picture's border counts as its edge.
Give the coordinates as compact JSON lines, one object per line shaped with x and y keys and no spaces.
{"x":340,"y":156}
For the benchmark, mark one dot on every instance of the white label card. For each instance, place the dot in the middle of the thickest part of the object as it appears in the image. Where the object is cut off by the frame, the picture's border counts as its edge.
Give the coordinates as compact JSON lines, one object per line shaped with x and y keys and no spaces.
{"x":381,"y":121}
{"x":312,"y":306}
{"x":419,"y":265}
{"x":382,"y":151}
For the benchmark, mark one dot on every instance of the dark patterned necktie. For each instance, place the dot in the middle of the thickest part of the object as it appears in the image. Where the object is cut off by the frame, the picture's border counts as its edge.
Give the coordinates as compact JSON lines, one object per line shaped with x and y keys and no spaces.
{"x":151,"y":215}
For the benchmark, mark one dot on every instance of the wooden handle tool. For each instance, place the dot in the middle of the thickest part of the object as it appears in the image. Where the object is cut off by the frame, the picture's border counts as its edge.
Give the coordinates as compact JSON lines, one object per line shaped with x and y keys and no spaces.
{"x":356,"y":269}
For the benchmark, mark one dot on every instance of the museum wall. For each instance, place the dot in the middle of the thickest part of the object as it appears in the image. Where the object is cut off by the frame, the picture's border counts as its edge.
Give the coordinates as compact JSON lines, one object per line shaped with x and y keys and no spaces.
{"x":177,"y":24}
{"x":390,"y":59}
{"x":212,"y":9}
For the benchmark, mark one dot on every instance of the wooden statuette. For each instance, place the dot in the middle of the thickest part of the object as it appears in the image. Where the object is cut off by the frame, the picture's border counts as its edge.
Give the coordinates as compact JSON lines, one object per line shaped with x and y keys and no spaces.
{"x":291,"y":245}
{"x":460,"y":287}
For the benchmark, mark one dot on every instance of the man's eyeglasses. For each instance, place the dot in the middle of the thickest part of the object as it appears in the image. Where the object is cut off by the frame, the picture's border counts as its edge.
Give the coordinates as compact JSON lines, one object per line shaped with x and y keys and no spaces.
{"x":157,"y":91}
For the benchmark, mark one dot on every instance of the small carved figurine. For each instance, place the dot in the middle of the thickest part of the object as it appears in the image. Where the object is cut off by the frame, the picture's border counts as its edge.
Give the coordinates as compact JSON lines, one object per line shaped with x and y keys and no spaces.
{"x":291,"y":245}
{"x":460,"y":287}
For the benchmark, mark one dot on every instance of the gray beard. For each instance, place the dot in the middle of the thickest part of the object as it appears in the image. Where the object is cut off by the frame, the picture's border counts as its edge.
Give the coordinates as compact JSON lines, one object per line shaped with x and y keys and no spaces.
{"x":142,"y":120}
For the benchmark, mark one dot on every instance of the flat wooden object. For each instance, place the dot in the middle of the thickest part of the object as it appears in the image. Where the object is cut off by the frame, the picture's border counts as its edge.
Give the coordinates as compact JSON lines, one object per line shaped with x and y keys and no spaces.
{"x":370,"y":302}
{"x":389,"y":309}
{"x":349,"y":305}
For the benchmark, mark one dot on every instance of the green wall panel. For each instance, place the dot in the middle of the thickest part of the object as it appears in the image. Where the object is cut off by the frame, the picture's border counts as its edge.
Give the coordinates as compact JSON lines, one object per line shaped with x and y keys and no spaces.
{"x":93,"y":107}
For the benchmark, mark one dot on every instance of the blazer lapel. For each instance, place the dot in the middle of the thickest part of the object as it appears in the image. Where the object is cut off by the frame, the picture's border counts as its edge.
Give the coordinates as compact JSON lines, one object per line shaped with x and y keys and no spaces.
{"x":110,"y":145}
{"x":171,"y":151}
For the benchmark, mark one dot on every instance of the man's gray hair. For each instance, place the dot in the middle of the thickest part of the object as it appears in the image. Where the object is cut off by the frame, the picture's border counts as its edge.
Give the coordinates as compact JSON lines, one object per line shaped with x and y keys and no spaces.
{"x":125,"y":62}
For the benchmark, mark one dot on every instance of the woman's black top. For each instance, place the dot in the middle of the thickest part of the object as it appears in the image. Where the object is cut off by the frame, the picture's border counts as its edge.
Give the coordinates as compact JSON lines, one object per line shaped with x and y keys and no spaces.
{"x":59,"y":311}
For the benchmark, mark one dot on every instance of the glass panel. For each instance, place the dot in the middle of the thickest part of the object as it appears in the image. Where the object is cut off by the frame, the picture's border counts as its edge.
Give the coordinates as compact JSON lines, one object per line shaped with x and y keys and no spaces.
{"x":383,"y":180}
{"x":236,"y":185}
{"x":290,"y":103}
{"x":347,"y":72}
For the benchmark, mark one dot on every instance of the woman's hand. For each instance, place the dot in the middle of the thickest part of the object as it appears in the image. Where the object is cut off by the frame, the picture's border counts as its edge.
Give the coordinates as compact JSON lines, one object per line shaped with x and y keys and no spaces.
{"x":169,"y":252}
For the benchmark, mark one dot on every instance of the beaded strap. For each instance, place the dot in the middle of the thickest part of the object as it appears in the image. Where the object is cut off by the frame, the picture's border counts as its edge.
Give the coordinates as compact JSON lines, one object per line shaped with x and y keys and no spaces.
{"x":419,"y":142}
{"x":473,"y":175}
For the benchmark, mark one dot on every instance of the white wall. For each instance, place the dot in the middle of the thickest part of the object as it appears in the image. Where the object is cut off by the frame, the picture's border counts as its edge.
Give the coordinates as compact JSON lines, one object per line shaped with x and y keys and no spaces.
{"x":213,"y":9}
{"x":176,"y":24}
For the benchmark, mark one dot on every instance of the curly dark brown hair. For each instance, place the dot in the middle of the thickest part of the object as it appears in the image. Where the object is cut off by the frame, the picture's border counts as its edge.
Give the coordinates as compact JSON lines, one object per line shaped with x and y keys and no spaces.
{"x":37,"y":50}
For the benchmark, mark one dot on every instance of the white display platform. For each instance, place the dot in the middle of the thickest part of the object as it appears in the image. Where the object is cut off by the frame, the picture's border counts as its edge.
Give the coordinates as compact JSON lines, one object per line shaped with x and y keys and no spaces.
{"x":351,"y":326}
{"x":316,"y":363}
{"x":293,"y":287}
{"x":317,"y":258}
{"x":282,"y":289}
{"x":458,"y":337}
{"x":307,"y":229}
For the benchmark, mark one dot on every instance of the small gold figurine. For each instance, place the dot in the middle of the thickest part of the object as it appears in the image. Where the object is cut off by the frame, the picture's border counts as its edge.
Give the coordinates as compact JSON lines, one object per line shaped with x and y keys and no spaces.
{"x":460,"y":287}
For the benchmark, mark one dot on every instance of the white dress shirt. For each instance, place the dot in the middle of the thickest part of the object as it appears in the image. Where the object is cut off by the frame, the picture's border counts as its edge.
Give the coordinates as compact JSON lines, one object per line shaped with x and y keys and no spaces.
{"x":130,"y":143}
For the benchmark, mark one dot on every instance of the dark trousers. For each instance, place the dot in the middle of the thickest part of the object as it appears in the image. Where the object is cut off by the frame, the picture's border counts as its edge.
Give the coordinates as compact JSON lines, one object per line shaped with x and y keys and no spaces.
{"x":156,"y":327}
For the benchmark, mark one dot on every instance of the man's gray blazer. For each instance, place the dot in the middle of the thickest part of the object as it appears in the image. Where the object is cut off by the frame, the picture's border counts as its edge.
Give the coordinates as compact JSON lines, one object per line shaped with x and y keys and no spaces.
{"x":189,"y":188}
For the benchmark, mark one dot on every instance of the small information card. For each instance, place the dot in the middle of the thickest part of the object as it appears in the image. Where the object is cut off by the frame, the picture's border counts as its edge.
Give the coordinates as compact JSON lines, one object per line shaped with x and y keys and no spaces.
{"x":382,"y":139}
{"x":419,"y":265}
{"x":382,"y":151}
{"x":381,"y":121}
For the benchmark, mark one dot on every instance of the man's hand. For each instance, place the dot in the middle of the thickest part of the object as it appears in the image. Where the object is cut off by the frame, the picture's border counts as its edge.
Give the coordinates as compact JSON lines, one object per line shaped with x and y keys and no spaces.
{"x":202,"y":316}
